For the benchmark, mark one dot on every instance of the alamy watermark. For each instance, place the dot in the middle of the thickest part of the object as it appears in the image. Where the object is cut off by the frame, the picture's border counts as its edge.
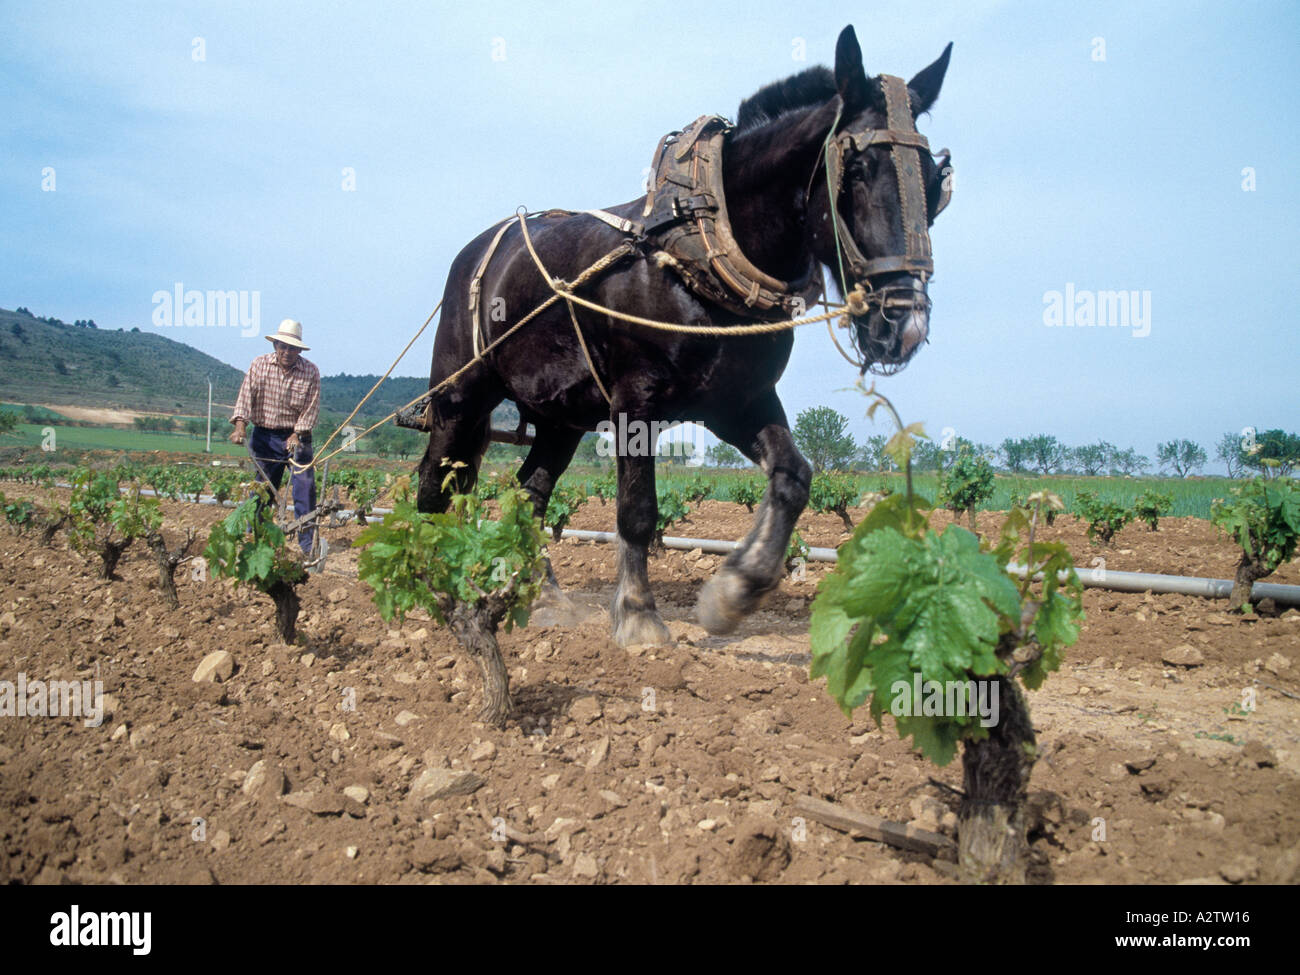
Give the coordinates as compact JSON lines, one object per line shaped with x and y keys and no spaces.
{"x":113,"y":929}
{"x":53,"y":699}
{"x":208,"y":309}
{"x":625,"y":437}
{"x":1081,"y":308}
{"x":948,"y":699}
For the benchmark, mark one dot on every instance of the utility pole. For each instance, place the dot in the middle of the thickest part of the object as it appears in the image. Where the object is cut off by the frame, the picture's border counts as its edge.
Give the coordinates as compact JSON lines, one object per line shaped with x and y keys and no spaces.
{"x":209,"y":447}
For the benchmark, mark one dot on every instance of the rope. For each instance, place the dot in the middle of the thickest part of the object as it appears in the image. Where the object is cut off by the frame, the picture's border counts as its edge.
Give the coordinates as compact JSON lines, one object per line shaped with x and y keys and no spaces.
{"x":830,"y":330}
{"x":568,"y":301}
{"x":562,"y":289}
{"x":832,"y":193}
{"x":764,"y":328}
{"x":600,"y":265}
{"x":573,"y":317}
{"x":565,"y":290}
{"x":383,"y":377}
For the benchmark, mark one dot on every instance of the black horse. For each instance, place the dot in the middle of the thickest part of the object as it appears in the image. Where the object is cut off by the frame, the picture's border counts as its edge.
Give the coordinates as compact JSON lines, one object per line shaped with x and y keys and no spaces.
{"x":785,"y":223}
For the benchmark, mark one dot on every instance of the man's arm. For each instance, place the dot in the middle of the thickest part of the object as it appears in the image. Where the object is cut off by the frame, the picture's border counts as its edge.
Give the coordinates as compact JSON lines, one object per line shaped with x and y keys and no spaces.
{"x":311,"y":411}
{"x":243,"y":406}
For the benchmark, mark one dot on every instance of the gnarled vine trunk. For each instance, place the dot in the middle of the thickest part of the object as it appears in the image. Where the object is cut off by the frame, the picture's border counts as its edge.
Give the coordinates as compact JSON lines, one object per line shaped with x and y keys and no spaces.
{"x":475,"y":626}
{"x":51,"y":526}
{"x":286,"y":609}
{"x":1248,"y":570}
{"x":110,"y":553}
{"x":991,"y":842}
{"x":167,"y":561}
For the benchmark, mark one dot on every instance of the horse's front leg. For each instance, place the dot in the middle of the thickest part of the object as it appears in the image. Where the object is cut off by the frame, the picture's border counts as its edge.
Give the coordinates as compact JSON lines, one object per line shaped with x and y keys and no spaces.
{"x":635,"y":619}
{"x":758,"y":565}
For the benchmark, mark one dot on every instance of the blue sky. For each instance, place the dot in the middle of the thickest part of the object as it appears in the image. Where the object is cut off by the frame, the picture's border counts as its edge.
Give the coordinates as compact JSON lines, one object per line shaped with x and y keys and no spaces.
{"x":227,"y":173}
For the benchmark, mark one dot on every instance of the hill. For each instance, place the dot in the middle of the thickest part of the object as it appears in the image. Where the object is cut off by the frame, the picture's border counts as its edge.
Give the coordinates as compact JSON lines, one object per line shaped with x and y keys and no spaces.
{"x":45,"y":360}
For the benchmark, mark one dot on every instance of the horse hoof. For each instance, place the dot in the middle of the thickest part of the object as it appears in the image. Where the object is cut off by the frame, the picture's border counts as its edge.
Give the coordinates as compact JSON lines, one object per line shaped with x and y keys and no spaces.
{"x":645,"y":628}
{"x":553,"y":607}
{"x":723,"y":601}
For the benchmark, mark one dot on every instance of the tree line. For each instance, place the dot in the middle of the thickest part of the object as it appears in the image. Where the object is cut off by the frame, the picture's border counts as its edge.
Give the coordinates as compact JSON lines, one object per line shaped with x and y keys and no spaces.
{"x":822,"y":435}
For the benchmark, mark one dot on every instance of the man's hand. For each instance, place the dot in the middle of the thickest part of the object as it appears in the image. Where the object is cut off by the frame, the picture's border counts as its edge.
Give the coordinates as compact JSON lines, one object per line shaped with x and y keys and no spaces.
{"x":237,"y":435}
{"x":291,"y":445}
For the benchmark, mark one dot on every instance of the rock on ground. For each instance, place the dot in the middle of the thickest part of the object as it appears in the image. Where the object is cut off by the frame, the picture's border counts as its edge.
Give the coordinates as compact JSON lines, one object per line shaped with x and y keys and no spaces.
{"x":216,"y":666}
{"x":440,"y":783}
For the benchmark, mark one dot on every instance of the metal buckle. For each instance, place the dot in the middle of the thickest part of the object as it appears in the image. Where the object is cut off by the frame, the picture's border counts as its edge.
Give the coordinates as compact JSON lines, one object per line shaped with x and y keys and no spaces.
{"x":685,"y":206}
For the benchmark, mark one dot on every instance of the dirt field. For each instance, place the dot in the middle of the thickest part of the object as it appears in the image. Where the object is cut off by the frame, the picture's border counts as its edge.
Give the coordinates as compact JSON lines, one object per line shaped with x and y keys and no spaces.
{"x":96,"y":414}
{"x":671,"y":765}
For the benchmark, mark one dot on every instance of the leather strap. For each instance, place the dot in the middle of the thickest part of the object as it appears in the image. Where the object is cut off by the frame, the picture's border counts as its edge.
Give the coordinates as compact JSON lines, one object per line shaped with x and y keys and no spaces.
{"x":476,"y":286}
{"x":907,"y":167}
{"x":618,"y":223}
{"x":867,"y":137}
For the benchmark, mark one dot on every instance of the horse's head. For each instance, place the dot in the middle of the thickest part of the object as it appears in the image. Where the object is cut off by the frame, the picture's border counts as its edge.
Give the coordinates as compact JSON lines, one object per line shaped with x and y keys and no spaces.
{"x":871,"y":207}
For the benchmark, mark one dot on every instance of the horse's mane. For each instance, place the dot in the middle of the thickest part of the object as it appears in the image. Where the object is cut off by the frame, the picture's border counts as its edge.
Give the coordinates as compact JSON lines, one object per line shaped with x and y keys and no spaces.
{"x":810,"y":87}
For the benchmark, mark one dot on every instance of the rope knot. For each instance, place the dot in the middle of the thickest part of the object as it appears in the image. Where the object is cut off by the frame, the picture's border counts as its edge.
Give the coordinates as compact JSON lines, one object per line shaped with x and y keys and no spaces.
{"x":856,"y":302}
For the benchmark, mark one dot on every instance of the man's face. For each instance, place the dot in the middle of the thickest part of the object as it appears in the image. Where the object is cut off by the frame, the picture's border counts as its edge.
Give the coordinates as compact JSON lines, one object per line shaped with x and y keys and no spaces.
{"x":285,"y":355}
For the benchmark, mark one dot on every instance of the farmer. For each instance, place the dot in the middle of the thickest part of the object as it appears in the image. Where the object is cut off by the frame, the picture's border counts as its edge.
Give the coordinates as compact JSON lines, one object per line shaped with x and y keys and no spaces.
{"x":281,"y":396}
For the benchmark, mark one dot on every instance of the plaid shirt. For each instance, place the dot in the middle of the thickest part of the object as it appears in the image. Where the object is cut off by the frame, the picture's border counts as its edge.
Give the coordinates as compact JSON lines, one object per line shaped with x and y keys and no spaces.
{"x":273,"y":398}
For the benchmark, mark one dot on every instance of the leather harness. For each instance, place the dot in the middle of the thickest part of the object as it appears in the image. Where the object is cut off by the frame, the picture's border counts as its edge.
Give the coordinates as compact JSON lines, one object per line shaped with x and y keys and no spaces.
{"x":685,"y":214}
{"x":685,"y":219}
{"x":686,"y":224}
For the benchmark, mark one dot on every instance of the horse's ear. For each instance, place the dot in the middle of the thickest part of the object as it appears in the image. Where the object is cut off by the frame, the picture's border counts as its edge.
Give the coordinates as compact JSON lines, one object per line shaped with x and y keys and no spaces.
{"x":850,"y":78}
{"x":925,"y":86}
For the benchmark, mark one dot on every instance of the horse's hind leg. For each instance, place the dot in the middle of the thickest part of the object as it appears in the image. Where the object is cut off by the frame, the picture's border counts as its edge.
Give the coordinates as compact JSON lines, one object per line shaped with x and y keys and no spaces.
{"x":635,"y":618}
{"x":757,"y":565}
{"x":552,"y":450}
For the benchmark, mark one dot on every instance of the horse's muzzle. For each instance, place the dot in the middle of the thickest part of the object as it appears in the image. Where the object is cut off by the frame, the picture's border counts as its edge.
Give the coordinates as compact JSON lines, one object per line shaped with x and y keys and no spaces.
{"x":896,"y":325}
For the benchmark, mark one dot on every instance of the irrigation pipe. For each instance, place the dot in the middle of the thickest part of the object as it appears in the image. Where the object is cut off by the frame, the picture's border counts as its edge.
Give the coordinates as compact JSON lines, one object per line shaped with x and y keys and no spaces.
{"x":1091,"y":578}
{"x":1098,"y":578}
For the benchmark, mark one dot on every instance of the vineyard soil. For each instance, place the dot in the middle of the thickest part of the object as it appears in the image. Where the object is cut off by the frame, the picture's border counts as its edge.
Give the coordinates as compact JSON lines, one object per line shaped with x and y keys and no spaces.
{"x":316,"y":762}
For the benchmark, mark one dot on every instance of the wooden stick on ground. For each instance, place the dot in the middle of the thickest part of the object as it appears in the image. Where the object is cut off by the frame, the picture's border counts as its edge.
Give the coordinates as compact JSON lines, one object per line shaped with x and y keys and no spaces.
{"x":1272,"y":688}
{"x":900,"y":835}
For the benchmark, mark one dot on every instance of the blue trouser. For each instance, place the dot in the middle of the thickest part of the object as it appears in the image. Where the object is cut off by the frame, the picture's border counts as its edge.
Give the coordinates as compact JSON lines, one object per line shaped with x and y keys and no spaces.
{"x":271,"y":457}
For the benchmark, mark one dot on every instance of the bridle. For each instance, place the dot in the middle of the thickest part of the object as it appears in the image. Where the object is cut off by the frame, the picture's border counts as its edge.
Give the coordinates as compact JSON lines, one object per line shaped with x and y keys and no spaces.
{"x":894,"y":301}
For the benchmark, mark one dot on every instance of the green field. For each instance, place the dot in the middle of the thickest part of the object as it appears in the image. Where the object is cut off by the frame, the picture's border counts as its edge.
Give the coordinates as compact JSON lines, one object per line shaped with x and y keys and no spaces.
{"x":111,"y":438}
{"x":30,"y":435}
{"x":1192,"y":497}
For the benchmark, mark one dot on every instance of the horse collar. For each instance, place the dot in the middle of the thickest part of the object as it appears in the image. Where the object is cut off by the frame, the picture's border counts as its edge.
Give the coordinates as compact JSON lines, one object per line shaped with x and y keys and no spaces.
{"x":685,"y":215}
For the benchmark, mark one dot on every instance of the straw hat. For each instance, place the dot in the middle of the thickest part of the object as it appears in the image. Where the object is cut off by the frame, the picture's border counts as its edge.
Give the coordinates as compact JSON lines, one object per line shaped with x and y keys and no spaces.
{"x":290,"y":333}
